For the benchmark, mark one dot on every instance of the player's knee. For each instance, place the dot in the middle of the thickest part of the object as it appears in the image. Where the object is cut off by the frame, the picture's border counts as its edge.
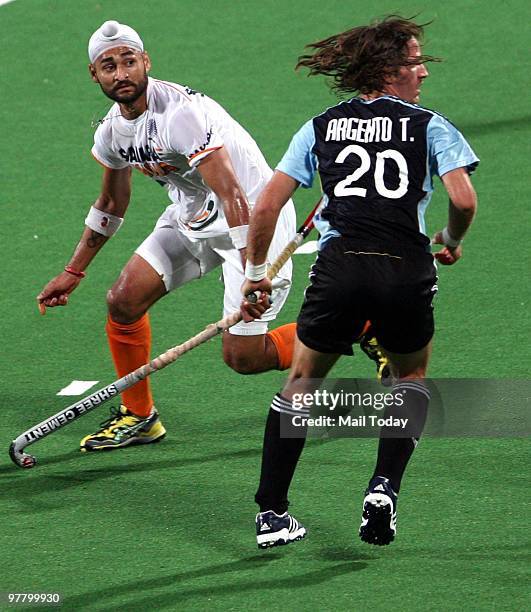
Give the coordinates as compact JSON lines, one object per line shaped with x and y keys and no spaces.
{"x":240,"y":363}
{"x":121,"y":309}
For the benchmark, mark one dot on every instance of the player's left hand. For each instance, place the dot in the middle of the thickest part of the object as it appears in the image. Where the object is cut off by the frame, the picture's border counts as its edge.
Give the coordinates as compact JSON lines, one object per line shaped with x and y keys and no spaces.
{"x":252,"y":310}
{"x":447,"y":256}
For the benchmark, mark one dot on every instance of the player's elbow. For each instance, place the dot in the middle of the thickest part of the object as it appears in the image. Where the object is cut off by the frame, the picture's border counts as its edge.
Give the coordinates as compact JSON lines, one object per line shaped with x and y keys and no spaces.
{"x":114,"y":203}
{"x":461,"y":191}
{"x":107,"y":204}
{"x":466,"y":204}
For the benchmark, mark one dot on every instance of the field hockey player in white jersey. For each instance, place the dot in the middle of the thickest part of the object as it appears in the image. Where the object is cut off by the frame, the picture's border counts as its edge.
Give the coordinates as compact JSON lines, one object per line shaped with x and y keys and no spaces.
{"x":213,"y":172}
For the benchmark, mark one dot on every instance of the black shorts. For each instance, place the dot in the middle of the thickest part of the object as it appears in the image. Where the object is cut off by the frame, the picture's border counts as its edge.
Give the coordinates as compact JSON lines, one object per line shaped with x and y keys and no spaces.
{"x":351,"y":283}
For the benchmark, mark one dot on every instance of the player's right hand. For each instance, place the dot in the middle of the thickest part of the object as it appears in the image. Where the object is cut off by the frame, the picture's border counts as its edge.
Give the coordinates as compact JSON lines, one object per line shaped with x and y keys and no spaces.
{"x":255,"y":308}
{"x":56,"y":292}
{"x":447,"y":256}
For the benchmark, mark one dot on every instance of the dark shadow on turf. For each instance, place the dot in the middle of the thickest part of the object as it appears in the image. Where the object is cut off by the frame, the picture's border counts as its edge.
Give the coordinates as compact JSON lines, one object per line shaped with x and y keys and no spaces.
{"x":179,"y":594}
{"x":345,"y":553}
{"x":75,"y":456}
{"x":474,"y":553}
{"x":9,"y":467}
{"x":28,"y":483}
{"x":21,"y":484}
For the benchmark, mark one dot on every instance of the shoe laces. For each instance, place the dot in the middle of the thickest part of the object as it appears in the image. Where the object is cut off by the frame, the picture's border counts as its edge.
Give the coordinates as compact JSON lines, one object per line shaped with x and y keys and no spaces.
{"x":115,"y":415}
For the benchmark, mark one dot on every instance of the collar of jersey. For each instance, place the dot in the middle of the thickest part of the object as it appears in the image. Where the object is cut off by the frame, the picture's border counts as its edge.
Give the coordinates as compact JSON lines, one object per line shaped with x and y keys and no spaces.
{"x":386,"y":97}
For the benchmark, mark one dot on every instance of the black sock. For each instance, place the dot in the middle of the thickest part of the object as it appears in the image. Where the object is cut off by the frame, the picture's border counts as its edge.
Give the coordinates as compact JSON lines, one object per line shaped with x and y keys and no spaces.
{"x":394,"y":453}
{"x":279,"y":455}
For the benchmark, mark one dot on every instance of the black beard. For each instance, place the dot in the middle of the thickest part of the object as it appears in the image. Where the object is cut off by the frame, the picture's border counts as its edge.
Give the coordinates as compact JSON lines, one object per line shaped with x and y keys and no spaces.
{"x":127,"y":98}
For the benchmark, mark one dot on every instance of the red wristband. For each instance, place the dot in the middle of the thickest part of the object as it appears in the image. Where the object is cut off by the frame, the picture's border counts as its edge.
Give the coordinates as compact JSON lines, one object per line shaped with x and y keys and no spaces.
{"x":77,"y":273}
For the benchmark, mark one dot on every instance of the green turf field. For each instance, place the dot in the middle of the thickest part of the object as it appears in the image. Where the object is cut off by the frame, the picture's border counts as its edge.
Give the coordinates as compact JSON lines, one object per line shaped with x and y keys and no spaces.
{"x":170,"y":526}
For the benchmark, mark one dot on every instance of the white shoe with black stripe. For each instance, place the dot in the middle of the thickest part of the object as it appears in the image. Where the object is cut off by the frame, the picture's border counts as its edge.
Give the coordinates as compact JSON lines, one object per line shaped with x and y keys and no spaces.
{"x":277,"y":529}
{"x":378,"y":521}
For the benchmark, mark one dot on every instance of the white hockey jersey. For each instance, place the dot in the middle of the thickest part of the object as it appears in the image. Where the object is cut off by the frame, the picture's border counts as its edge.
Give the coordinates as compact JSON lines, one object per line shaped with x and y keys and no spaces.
{"x":179,"y":128}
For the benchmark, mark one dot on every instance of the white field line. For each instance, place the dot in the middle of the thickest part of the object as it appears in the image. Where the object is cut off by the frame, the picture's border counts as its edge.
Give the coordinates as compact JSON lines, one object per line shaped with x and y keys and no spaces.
{"x":5,"y":2}
{"x":77,"y":387}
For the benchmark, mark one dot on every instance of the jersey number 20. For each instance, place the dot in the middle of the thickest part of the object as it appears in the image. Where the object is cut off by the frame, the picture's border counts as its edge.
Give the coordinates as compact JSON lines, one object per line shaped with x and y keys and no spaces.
{"x":343,"y":188}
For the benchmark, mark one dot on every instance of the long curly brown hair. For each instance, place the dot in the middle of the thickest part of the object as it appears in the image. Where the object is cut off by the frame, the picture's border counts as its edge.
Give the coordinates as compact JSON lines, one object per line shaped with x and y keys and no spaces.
{"x":362,"y":59}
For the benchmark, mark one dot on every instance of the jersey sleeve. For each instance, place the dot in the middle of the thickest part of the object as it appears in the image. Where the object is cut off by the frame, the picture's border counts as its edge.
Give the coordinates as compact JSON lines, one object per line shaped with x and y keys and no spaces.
{"x":299,"y":160}
{"x":102,"y":151}
{"x":448,"y":148}
{"x":193,"y":133}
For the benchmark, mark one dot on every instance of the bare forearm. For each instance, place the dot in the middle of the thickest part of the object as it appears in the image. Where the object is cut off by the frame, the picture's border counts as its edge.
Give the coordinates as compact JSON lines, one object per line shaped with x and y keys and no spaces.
{"x":261,"y":229}
{"x":463,"y":202}
{"x":217,"y":172}
{"x":109,"y":216}
{"x":265,"y":215}
{"x":236,"y":209}
{"x":461,"y":211}
{"x":87,"y":248}
{"x":105,"y":215}
{"x":459,"y":220}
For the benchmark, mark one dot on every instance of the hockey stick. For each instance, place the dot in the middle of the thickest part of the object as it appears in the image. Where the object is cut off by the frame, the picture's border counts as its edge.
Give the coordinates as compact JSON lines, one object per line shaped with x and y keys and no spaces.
{"x":88,"y":403}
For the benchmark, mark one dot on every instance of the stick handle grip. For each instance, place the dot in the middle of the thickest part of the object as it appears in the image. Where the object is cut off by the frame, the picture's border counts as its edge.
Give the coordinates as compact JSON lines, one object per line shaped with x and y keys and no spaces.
{"x":284,"y":256}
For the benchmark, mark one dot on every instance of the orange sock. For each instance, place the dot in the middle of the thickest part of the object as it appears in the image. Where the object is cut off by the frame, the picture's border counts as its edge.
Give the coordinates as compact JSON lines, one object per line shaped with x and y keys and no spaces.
{"x":283,"y":338}
{"x":130,"y":347}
